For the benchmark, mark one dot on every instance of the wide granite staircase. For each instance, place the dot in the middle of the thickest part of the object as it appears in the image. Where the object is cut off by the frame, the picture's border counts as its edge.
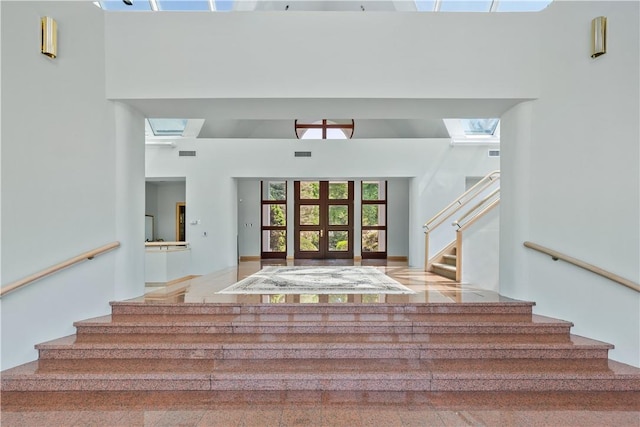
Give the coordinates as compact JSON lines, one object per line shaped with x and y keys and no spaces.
{"x":365,"y":347}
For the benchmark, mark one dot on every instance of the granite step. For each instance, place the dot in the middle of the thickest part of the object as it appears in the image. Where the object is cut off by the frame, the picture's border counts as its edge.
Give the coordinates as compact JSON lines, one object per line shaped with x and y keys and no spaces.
{"x":505,"y":306}
{"x":175,"y":325}
{"x":318,"y":374}
{"x":321,"y":346}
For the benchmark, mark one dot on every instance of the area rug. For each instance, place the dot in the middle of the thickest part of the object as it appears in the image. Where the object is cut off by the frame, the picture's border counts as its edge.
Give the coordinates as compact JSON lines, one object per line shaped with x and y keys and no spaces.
{"x":317,"y":280}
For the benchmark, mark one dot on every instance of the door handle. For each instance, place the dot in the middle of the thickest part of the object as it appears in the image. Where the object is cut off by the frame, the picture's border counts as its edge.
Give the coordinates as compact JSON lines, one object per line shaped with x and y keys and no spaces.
{"x":321,"y":232}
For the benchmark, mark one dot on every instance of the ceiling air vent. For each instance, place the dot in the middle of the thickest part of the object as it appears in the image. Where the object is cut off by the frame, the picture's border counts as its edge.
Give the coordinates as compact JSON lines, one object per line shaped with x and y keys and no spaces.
{"x":302,"y":154}
{"x":186,"y":153}
{"x":494,"y":153}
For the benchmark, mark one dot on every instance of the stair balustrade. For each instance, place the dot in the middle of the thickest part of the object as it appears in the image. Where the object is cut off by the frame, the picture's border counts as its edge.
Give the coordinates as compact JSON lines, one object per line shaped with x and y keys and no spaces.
{"x":439,"y":240}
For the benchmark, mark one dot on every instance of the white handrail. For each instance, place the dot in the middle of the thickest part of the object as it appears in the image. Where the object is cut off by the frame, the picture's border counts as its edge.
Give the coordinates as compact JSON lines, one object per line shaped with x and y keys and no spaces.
{"x":479,"y":186}
{"x":55,"y":268}
{"x":477,"y":205}
{"x":555,"y":255}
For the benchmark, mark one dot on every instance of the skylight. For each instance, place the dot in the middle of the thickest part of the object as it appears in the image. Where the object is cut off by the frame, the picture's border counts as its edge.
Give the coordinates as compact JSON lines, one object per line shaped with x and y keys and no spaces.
{"x":479,"y":126}
{"x":119,"y":5}
{"x":168,"y":127}
{"x":420,"y":5}
{"x":473,"y":131}
{"x":185,"y":5}
{"x":465,"y":6}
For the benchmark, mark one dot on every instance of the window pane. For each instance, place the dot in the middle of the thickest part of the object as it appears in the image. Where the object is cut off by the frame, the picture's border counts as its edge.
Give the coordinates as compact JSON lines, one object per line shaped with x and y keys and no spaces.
{"x":277,"y":299}
{"x":184,"y":5}
{"x":370,"y":298}
{"x":338,"y":215}
{"x":338,"y":241}
{"x":309,"y":190}
{"x":310,"y":241}
{"x":338,"y":298}
{"x":309,"y":299}
{"x":522,"y":5}
{"x":274,"y":190}
{"x":274,"y":241}
{"x":274,"y":215}
{"x":465,"y":6}
{"x":373,"y":190}
{"x":338,"y":190}
{"x":479,"y":126}
{"x":373,"y":215}
{"x":170,"y":127}
{"x":119,"y":5}
{"x":425,"y":5}
{"x":373,"y":241}
{"x":336,"y":134}
{"x":224,"y":5}
{"x":309,"y":215}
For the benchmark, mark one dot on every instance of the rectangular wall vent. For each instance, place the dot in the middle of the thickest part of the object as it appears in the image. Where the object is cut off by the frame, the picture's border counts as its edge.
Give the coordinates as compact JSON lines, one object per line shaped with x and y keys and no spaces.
{"x":186,"y":153}
{"x":494,"y":153}
{"x":302,"y":154}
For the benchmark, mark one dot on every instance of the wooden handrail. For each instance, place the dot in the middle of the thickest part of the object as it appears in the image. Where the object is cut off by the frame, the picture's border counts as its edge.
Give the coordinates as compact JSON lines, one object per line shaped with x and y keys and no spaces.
{"x":62,"y":265}
{"x":555,"y":255}
{"x":480,"y":185}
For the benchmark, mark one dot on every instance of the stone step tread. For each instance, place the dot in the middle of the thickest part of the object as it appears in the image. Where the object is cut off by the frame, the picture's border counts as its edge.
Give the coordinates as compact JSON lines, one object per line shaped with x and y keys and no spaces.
{"x":503,"y":305}
{"x":305,"y":320}
{"x":320,"y":368}
{"x":319,"y":341}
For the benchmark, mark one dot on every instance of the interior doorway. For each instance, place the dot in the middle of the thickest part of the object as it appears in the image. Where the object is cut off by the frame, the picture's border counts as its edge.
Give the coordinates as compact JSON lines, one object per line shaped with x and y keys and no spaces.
{"x":323,"y":215}
{"x":181,"y":209}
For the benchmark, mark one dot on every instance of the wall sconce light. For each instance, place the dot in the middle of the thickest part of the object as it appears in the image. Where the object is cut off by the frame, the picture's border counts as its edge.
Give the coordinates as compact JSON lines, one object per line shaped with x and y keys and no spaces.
{"x":49,"y":42}
{"x":598,"y":36}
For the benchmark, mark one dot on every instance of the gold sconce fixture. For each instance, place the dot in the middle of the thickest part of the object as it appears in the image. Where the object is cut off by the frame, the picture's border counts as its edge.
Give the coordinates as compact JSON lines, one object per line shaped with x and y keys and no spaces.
{"x":598,"y":36}
{"x":49,"y":36}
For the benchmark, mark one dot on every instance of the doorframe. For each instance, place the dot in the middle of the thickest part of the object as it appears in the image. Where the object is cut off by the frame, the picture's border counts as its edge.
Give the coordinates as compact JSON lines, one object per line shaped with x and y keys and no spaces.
{"x":184,"y":221}
{"x":323,"y":227}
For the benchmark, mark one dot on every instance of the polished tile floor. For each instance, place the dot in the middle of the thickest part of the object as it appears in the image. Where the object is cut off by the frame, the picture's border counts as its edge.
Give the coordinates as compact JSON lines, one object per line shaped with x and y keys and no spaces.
{"x":375,"y":409}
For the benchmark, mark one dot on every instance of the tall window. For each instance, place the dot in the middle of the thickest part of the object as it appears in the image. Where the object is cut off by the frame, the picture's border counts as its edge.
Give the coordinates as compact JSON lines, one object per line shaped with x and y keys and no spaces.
{"x":374,"y":219}
{"x":274,"y":219}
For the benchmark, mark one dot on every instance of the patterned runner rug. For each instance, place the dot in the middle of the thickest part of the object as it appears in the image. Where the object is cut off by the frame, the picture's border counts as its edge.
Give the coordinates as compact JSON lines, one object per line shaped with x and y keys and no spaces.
{"x":317,"y":280}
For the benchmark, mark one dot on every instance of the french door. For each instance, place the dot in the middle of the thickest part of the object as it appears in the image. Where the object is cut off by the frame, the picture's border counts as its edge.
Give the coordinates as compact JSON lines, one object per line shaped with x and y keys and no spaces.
{"x":323,"y":218}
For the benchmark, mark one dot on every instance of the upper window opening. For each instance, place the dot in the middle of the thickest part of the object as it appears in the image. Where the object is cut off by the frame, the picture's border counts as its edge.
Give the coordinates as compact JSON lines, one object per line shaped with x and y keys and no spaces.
{"x":168,"y":127}
{"x":325,"y":129}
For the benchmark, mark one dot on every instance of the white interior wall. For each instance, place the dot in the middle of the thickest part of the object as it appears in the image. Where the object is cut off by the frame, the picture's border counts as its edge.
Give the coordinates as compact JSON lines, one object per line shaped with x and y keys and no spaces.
{"x":151,"y":199}
{"x":420,"y":55}
{"x":439,"y":168}
{"x":58,"y":173}
{"x":481,"y":252}
{"x":571,"y":177}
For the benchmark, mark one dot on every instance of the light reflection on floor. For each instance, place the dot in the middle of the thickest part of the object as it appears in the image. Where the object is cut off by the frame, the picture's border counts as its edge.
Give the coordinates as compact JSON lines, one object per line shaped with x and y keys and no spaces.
{"x":429,"y":287}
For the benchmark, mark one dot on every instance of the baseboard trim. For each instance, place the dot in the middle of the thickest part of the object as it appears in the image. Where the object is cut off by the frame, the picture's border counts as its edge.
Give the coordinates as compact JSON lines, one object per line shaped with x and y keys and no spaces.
{"x":250,"y":258}
{"x":397,"y":258}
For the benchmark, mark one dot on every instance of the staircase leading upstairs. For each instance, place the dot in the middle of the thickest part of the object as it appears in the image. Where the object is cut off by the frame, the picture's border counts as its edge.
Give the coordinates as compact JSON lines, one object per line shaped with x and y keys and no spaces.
{"x":365,"y":347}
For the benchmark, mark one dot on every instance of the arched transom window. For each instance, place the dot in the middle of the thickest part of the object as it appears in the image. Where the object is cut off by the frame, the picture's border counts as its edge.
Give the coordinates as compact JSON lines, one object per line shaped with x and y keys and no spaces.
{"x":325,"y":129}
